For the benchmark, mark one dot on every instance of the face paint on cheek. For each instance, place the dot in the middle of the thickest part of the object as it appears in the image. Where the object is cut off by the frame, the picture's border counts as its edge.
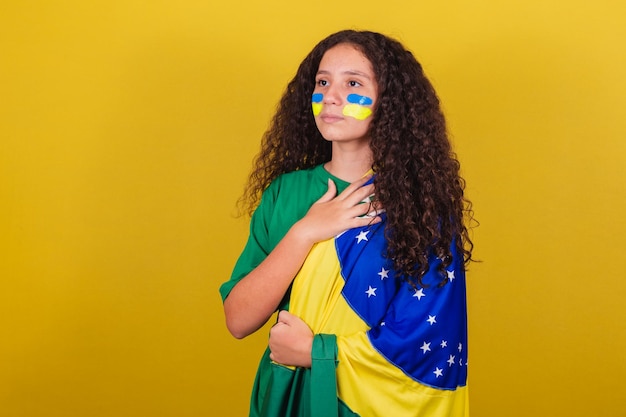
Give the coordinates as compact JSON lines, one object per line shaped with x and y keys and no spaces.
{"x":316,"y":103}
{"x":355,"y":108}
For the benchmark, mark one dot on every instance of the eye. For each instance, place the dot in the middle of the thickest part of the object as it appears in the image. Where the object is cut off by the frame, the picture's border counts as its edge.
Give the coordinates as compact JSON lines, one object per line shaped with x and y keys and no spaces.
{"x":322,"y":83}
{"x":354,"y":83}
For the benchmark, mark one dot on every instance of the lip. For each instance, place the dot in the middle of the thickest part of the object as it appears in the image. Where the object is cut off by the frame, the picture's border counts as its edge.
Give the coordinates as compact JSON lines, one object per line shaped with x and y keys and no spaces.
{"x":330,"y":118}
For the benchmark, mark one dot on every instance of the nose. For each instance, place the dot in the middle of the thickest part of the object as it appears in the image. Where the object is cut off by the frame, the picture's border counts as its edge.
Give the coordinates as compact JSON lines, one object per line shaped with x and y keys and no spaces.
{"x":332,"y":95}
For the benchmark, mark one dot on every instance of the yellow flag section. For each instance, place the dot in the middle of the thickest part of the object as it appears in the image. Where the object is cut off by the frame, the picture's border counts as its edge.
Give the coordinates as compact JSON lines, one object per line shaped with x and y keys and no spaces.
{"x":367,"y":382}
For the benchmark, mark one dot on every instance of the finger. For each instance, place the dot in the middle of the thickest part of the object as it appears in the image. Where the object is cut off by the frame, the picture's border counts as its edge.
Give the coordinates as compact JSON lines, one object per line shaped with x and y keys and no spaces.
{"x":356,"y":185}
{"x":283,"y":317}
{"x":330,"y":193}
{"x":366,"y":221}
{"x":373,"y":213}
{"x":362,"y":194}
{"x":359,"y":210}
{"x":368,"y":214}
{"x":370,"y":208}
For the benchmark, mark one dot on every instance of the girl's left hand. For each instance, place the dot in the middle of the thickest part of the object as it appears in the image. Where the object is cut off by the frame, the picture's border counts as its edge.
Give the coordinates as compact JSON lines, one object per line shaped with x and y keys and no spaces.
{"x":291,"y":341}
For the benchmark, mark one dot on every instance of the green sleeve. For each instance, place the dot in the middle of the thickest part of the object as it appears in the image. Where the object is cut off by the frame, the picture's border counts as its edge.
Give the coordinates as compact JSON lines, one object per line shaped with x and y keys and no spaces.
{"x":258,"y":246}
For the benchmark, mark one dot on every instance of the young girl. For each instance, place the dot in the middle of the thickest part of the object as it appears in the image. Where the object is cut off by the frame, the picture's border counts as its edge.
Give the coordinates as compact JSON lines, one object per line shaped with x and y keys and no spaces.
{"x":358,"y":240}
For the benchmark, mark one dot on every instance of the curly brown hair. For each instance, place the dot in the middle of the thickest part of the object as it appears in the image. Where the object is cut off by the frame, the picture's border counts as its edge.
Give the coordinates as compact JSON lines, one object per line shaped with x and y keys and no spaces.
{"x":417,"y":174}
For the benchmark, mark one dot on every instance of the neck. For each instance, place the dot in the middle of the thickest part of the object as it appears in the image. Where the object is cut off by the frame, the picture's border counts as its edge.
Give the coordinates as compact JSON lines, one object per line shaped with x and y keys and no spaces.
{"x":349,"y":164}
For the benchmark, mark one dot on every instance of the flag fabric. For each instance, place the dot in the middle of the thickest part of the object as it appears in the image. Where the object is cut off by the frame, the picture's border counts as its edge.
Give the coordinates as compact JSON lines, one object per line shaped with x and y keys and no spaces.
{"x":401,"y":351}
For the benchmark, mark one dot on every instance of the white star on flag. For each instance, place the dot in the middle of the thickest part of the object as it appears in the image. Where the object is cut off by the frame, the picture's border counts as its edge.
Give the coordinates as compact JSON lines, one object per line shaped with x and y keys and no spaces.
{"x":362,"y":236}
{"x":431,"y":319}
{"x":450,"y":275}
{"x":438,"y":372}
{"x":460,"y":347}
{"x":371,"y":291}
{"x":419,"y":293}
{"x":425,"y":347}
{"x":384,"y":273}
{"x":444,"y":344}
{"x":451,"y":360}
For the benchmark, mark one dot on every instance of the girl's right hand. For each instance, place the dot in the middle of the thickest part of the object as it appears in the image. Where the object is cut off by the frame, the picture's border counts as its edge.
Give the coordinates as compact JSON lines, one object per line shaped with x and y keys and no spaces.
{"x":333,"y":214}
{"x":253,"y":300}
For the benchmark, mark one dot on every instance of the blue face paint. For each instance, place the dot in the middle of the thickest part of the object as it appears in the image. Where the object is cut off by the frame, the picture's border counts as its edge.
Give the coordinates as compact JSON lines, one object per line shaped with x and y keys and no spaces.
{"x":360,"y":100}
{"x":317,"y":97}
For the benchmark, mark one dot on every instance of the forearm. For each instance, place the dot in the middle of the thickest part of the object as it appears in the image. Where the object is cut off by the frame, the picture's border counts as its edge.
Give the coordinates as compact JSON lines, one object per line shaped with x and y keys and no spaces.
{"x":256,"y":297}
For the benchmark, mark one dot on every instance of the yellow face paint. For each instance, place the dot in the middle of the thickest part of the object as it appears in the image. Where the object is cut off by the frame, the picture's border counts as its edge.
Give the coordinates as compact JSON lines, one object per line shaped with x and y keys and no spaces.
{"x":356,"y":111}
{"x":316,"y":102}
{"x":356,"y":107}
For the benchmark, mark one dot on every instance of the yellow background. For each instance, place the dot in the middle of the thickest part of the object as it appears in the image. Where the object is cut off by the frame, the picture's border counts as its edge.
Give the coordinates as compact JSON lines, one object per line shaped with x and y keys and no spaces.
{"x":127,"y":131}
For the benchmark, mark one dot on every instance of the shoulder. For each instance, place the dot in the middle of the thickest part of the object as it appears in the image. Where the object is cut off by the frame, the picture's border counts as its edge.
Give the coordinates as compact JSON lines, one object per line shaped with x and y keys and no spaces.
{"x":305,"y":180}
{"x":285,"y":201}
{"x":293,"y":192}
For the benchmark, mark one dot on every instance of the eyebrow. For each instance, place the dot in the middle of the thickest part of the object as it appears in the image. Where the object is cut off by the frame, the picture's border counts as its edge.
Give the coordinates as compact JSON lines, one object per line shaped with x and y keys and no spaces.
{"x":349,"y":72}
